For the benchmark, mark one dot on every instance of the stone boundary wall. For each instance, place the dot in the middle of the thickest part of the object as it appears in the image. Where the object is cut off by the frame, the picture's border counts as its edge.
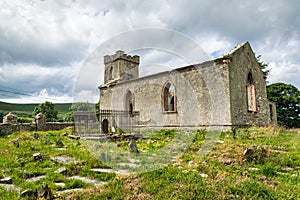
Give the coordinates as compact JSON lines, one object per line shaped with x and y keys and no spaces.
{"x":6,"y":129}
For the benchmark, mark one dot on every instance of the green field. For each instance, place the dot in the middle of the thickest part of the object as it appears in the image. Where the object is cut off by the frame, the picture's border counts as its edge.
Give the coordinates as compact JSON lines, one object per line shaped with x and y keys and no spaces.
{"x":26,"y":110}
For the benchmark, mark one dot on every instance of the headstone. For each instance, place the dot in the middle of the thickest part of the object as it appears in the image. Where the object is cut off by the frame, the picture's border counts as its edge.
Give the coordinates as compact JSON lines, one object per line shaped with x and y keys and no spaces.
{"x":253,"y":169}
{"x":36,"y":136}
{"x":6,"y":180}
{"x":234,"y":133}
{"x":29,"y":194}
{"x":10,"y":187}
{"x":63,"y":159}
{"x":61,"y":170}
{"x":132,"y":146}
{"x":64,"y":134}
{"x":60,"y":184}
{"x":37,"y":178}
{"x":59,"y":144}
{"x":191,"y":163}
{"x":248,"y":154}
{"x":46,"y":192}
{"x":37,"y":156}
{"x":105,"y":157}
{"x":204,"y":175}
{"x":16,"y":143}
{"x":74,"y":137}
{"x":289,"y":169}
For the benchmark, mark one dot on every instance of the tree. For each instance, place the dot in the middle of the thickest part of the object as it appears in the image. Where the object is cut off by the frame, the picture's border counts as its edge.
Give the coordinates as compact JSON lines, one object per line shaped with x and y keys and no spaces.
{"x":263,"y":66}
{"x":287,"y":98}
{"x":46,"y":108}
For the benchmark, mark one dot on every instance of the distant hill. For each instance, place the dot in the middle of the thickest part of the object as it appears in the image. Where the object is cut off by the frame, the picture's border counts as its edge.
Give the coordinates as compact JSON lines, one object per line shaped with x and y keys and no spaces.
{"x":27,"y":109}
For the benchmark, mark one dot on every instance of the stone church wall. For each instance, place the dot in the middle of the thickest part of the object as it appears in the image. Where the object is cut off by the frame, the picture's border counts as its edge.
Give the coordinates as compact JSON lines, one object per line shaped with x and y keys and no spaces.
{"x":200,"y":102}
{"x":241,"y":65}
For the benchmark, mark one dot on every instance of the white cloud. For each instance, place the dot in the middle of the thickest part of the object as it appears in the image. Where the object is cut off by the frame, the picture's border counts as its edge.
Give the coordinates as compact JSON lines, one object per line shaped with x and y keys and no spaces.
{"x":285,"y":72}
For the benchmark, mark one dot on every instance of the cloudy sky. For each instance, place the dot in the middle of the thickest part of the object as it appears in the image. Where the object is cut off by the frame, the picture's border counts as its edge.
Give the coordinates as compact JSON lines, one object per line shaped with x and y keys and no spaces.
{"x":45,"y":44}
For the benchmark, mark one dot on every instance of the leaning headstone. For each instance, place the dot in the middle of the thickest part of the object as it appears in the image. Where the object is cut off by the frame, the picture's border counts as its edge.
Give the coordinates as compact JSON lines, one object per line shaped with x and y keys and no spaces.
{"x":132,"y":146}
{"x":6,"y":180}
{"x":37,"y":156}
{"x":59,"y":144}
{"x":16,"y":143}
{"x":46,"y":192}
{"x":29,"y":194}
{"x":36,"y":136}
{"x":248,"y":154}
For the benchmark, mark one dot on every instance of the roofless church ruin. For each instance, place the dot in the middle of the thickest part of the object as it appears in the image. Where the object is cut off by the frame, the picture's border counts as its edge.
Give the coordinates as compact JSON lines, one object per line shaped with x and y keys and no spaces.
{"x":220,"y":94}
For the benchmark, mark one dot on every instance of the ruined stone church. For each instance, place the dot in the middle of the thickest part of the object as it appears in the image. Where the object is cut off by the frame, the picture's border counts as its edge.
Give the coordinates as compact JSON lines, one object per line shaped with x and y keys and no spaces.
{"x":220,"y":94}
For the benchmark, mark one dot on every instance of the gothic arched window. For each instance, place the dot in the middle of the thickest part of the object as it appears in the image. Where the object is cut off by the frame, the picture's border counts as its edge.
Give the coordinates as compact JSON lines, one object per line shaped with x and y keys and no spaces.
{"x":129,"y":102}
{"x":251,"y":94}
{"x":169,"y":97}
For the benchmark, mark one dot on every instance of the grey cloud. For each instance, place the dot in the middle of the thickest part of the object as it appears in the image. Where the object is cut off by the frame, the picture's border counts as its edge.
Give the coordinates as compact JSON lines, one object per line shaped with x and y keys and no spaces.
{"x":32,"y":79}
{"x":31,"y":51}
{"x":238,"y":20}
{"x":60,"y":34}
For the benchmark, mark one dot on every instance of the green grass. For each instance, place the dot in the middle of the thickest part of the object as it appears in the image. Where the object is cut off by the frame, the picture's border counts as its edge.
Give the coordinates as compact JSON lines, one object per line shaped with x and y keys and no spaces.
{"x":221,"y":174}
{"x":19,"y":164}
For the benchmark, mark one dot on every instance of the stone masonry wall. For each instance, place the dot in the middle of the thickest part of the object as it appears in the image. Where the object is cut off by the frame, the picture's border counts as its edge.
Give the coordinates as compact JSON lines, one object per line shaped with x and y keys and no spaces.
{"x":243,"y":62}
{"x":6,"y":129}
{"x":202,"y":99}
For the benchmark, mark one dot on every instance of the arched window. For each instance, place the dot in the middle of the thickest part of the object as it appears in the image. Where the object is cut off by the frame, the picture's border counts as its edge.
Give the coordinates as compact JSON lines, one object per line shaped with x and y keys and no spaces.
{"x":271,"y":112}
{"x":129,"y":102}
{"x":169,"y":97}
{"x":251,"y":94}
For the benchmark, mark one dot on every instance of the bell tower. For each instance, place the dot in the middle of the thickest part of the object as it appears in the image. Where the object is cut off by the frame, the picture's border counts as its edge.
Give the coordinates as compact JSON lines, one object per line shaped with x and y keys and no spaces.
{"x":120,"y":67}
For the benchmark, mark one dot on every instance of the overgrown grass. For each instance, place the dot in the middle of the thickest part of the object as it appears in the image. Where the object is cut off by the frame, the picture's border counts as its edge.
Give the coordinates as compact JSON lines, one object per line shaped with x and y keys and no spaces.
{"x":222,"y":174}
{"x":19,"y":163}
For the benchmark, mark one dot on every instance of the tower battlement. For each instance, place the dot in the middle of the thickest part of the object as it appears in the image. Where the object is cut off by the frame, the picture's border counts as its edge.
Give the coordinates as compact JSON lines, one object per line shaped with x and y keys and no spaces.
{"x":121,"y":67}
{"x":120,"y":55}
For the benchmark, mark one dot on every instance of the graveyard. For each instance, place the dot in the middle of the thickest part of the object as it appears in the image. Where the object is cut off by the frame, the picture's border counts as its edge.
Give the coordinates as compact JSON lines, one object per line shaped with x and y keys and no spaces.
{"x":259,"y":163}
